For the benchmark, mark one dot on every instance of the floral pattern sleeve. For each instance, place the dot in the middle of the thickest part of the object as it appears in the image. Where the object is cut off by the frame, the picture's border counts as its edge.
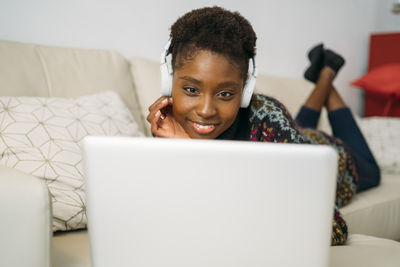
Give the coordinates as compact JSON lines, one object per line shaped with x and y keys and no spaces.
{"x":339,"y":231}
{"x":271,"y":122}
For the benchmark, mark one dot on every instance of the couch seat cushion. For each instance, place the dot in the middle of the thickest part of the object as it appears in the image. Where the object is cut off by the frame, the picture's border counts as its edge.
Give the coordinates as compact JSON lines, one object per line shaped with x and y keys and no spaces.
{"x":376,"y":212}
{"x":366,"y":251}
{"x":71,"y":249}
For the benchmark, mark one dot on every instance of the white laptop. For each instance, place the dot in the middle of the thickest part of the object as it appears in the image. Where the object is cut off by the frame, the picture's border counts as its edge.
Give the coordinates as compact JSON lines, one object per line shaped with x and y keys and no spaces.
{"x":181,"y":203}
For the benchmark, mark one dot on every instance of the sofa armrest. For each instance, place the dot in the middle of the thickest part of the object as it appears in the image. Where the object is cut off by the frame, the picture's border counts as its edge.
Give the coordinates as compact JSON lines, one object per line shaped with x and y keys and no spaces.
{"x":26,"y":219}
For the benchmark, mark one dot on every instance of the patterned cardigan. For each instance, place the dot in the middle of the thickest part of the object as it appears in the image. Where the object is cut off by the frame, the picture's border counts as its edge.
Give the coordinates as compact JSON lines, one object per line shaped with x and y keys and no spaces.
{"x":267,"y":120}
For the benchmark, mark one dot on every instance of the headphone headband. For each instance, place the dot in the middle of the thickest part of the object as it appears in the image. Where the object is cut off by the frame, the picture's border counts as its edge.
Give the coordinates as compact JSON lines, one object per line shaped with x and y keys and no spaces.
{"x":166,"y":78}
{"x":163,"y":58}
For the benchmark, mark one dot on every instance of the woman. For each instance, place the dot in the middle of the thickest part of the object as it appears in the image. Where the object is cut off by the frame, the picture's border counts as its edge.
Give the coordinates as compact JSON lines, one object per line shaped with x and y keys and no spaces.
{"x":211,"y":49}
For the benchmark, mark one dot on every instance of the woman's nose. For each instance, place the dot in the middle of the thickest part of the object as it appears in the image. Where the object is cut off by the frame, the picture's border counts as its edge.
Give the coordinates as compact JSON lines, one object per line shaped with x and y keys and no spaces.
{"x":206,"y":107}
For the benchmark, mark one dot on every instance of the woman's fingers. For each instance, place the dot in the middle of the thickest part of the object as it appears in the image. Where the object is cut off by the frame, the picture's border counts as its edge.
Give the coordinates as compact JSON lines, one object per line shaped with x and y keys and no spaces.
{"x":156,"y":124}
{"x":156,"y":102}
{"x":154,"y":129}
{"x":161,"y":118}
{"x":160,"y":104}
{"x":161,"y":101}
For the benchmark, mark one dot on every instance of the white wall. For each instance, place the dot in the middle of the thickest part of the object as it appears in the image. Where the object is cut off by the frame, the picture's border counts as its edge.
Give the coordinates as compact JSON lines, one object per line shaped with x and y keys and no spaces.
{"x":386,"y":21}
{"x":285,"y":29}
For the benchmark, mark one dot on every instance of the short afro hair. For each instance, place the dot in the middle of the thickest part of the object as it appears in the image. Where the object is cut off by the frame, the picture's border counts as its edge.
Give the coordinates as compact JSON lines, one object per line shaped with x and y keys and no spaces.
{"x":214,"y":29}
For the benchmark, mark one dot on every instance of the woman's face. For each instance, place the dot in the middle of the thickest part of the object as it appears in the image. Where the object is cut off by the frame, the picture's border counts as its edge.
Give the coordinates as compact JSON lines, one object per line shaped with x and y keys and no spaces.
{"x":206,"y":94}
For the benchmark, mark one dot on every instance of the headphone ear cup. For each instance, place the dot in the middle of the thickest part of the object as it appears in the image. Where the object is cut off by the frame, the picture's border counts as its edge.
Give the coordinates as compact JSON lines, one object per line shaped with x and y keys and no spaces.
{"x":248,"y":91}
{"x":250,"y":85}
{"x":166,"y":72}
{"x":166,"y":80}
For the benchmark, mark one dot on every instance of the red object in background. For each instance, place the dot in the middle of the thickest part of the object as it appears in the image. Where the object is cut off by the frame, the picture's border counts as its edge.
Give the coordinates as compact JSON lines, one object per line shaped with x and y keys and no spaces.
{"x":382,"y":82}
{"x":376,"y":105}
{"x":383,"y":49}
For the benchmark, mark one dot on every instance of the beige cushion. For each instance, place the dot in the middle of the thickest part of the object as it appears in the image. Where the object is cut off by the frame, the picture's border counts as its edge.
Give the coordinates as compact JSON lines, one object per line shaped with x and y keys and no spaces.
{"x":72,"y":250}
{"x":147,"y":81}
{"x":25,"y":224}
{"x":366,"y":251}
{"x":37,"y":70}
{"x":383,"y":137}
{"x":376,"y":212}
{"x":42,"y":136}
{"x":21,"y":71}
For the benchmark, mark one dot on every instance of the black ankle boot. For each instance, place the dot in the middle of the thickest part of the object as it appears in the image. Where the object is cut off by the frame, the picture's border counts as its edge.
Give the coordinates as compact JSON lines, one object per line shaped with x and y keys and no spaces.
{"x":316,"y":56}
{"x":333,"y":60}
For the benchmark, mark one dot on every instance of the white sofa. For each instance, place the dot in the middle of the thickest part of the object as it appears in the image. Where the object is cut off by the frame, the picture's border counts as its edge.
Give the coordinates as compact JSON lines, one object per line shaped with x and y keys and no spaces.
{"x":26,"y":239}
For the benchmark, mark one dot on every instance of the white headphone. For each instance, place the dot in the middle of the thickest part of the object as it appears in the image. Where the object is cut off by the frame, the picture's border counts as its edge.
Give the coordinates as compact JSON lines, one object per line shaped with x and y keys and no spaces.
{"x":167,"y":76}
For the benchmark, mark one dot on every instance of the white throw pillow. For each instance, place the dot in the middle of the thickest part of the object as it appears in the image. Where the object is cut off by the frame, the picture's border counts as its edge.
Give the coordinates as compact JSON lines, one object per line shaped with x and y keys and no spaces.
{"x":383,"y":137}
{"x":42,"y":136}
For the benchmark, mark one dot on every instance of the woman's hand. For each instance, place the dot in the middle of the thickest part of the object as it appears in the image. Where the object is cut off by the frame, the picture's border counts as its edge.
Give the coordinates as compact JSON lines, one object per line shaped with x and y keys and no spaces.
{"x":163,"y":123}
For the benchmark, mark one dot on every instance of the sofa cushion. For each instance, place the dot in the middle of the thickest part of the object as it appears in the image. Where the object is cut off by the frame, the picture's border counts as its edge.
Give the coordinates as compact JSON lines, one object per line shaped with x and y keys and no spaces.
{"x":383,"y":137}
{"x":147,"y":80}
{"x":25,"y":225}
{"x":42,"y":136}
{"x":72,"y":250}
{"x":376,"y":211}
{"x":38,"y":70}
{"x":383,"y":80}
{"x":21,"y":72}
{"x":366,"y":251}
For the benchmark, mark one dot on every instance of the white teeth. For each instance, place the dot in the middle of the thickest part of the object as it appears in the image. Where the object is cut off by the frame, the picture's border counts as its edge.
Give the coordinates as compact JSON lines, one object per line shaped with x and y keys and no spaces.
{"x":204,"y":126}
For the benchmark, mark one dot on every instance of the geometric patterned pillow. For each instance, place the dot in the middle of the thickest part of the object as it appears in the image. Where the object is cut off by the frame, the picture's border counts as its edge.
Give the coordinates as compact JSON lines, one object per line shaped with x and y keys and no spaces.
{"x":383,"y":137}
{"x":42,"y":136}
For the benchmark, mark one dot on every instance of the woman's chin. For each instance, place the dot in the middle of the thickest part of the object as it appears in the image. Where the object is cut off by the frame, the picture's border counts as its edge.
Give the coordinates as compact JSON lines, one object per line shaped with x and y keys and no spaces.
{"x":202,"y":136}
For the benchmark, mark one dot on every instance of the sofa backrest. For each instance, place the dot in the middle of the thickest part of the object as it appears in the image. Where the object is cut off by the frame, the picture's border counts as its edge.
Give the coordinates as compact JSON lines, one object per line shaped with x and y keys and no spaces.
{"x":37,"y":70}
{"x":147,"y":81}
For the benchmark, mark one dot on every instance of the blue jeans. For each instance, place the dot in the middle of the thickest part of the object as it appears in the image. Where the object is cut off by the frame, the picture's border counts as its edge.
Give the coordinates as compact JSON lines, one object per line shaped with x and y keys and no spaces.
{"x":345,"y":128}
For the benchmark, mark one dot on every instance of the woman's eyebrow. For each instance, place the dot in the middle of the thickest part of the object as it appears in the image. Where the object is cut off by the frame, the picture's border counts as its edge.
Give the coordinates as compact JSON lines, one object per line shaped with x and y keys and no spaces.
{"x":190,"y":79}
{"x":223,"y":84}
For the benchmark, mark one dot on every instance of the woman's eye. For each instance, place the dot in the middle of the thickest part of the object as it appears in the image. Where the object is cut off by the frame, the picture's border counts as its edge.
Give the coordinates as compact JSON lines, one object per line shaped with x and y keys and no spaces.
{"x":226,"y":94}
{"x":190,"y":90}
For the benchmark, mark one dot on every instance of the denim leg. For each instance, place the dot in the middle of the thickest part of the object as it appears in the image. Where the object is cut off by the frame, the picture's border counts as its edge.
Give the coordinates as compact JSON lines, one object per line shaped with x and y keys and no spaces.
{"x":307,"y":117}
{"x":345,"y":128}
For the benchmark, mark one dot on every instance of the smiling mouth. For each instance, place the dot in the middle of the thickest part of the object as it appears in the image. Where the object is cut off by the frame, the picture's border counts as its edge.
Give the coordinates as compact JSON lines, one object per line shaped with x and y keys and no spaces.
{"x":203,"y":128}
